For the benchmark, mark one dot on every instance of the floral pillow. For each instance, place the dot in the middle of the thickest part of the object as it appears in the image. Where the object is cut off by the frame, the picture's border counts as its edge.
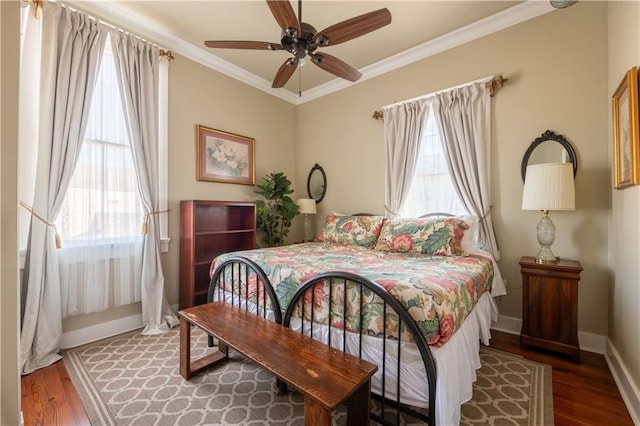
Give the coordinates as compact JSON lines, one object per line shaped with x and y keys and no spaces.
{"x":354,"y":230}
{"x":436,"y":237}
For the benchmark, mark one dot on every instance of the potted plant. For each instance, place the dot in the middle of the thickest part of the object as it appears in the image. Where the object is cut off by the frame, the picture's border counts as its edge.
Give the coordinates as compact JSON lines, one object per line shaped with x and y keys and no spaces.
{"x":275,"y":213}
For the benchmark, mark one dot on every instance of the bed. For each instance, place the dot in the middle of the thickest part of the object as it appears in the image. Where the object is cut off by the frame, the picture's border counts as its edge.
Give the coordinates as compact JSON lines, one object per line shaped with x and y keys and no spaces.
{"x":413,"y":296}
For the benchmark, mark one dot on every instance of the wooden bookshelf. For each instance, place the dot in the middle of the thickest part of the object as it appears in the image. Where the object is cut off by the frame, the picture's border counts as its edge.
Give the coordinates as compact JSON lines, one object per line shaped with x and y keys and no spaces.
{"x":207,"y":229}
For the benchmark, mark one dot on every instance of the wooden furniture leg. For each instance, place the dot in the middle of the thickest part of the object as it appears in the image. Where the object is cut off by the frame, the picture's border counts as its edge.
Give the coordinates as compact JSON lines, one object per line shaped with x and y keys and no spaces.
{"x":359,"y":406}
{"x":185,"y":349}
{"x":189,"y":368}
{"x":316,"y":414}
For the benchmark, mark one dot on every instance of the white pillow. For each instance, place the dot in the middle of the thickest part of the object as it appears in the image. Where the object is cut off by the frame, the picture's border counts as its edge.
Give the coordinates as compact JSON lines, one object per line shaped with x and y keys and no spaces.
{"x":469,"y":242}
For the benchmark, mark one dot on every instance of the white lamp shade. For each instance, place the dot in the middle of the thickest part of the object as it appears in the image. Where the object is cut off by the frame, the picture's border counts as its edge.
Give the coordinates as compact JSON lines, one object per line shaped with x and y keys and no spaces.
{"x":549,"y":186}
{"x":307,"y":205}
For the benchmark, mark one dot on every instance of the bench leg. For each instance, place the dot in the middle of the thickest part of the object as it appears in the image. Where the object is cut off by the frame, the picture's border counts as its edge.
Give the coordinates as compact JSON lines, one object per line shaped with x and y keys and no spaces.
{"x":282,"y":386}
{"x":187,"y":367}
{"x":185,"y":349}
{"x":359,"y":406}
{"x":222,"y":347}
{"x":316,"y":414}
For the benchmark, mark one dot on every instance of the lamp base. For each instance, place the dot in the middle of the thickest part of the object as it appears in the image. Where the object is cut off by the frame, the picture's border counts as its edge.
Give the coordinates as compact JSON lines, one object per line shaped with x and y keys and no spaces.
{"x":546,"y":233}
{"x":545,"y":255}
{"x":308,"y":234}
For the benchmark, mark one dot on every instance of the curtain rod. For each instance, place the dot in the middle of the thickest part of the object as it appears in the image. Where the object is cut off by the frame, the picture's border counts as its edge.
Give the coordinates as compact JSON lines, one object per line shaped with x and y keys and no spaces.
{"x":38,"y":4}
{"x":491,"y":85}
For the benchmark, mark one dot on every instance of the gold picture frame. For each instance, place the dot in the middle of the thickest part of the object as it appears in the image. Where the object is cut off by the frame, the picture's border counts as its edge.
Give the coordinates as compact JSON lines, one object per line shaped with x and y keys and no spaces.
{"x":626,"y":138}
{"x":224,"y":157}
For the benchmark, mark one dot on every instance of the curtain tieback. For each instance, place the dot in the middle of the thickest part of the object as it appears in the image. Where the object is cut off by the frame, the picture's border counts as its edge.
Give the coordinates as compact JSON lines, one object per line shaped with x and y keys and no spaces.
{"x":37,"y":216}
{"x":145,"y":221}
{"x":486,"y":214}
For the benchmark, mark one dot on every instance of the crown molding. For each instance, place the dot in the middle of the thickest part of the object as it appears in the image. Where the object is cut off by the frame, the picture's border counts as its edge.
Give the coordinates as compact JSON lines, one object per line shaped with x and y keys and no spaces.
{"x":111,"y":12}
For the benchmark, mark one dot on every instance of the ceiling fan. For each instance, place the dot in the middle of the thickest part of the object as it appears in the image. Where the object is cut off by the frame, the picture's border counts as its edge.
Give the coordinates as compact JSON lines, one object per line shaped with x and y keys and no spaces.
{"x":301,"y":39}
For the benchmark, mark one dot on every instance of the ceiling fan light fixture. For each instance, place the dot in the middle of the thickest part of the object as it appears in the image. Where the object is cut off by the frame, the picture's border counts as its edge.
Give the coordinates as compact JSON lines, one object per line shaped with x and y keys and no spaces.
{"x":562,"y":4}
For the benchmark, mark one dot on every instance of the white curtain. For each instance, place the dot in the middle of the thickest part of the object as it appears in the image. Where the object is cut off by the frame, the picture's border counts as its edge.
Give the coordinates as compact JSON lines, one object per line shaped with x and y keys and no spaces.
{"x":463,"y":115}
{"x":101,"y":255}
{"x":72,"y":47}
{"x":403,"y":127}
{"x":137,"y":67}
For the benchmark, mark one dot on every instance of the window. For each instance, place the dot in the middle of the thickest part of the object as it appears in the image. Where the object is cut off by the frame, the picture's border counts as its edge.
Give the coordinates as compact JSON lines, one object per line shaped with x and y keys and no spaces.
{"x":431,"y":189}
{"x":102,"y":204}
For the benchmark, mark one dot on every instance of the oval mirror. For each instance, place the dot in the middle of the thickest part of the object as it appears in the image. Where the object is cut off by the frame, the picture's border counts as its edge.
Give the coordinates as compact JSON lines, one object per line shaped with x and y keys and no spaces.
{"x":549,"y":148}
{"x":317,"y":183}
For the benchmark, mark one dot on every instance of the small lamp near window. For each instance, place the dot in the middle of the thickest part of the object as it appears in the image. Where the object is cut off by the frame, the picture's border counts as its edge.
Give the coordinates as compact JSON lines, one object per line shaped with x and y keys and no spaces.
{"x":307,"y":206}
{"x":547,"y":187}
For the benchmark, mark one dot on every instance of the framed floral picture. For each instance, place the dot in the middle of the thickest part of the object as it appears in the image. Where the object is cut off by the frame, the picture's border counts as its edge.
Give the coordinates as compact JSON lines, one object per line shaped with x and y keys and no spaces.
{"x":626,"y":136}
{"x":224,"y":157}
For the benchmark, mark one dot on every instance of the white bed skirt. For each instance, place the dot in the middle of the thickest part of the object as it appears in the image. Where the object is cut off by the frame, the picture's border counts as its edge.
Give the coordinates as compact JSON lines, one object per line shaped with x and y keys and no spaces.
{"x":456,"y":361}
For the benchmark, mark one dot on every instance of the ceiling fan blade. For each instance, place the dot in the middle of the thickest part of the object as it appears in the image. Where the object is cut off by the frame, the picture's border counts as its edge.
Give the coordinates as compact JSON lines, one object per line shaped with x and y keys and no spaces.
{"x":352,"y":28}
{"x":285,"y":72}
{"x":235,"y":44}
{"x":285,"y":15}
{"x":335,"y":66}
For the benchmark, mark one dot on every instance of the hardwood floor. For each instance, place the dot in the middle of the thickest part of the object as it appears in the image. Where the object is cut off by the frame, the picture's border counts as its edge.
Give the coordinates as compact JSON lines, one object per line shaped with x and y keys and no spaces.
{"x":583,"y":394}
{"x":49,"y":398}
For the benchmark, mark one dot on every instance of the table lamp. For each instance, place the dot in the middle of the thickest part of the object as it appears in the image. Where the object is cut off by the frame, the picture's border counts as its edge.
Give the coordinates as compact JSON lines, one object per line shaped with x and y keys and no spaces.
{"x":548,"y":186}
{"x":307,"y":206}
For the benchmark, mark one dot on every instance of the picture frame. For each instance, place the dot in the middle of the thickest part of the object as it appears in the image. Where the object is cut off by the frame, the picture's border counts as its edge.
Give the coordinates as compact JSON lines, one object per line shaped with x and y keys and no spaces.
{"x":224,"y":157}
{"x":626,"y":137}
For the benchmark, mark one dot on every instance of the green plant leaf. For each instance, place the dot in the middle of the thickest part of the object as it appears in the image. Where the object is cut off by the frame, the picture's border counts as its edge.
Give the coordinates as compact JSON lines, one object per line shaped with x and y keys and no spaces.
{"x":275,"y":213}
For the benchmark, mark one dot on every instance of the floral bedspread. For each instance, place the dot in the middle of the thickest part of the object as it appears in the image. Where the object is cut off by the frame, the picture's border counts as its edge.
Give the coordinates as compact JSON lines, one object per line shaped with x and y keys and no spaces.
{"x":438,"y":291}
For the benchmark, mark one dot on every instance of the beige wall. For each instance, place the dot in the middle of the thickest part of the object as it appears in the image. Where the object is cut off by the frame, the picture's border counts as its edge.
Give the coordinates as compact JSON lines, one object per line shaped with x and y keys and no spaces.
{"x":624,"y":238}
{"x":557,"y":66}
{"x":9,"y":376}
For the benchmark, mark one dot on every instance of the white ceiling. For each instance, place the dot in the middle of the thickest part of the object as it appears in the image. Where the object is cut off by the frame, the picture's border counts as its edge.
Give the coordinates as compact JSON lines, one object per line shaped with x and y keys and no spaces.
{"x":418,"y":29}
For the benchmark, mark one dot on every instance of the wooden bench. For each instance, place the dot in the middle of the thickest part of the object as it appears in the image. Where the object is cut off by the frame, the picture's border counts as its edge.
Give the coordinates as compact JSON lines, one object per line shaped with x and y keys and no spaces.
{"x":325,"y":376}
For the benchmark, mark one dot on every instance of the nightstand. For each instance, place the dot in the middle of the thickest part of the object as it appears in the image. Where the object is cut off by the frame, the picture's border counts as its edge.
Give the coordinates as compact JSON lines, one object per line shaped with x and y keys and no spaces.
{"x":550,"y":305}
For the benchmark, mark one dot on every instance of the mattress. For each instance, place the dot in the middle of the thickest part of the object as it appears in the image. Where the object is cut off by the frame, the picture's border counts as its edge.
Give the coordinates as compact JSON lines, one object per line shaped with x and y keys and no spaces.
{"x":438,"y":291}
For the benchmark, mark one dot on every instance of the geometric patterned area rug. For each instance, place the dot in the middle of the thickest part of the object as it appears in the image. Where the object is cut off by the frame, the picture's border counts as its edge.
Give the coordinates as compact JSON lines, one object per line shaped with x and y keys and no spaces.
{"x":134,"y":379}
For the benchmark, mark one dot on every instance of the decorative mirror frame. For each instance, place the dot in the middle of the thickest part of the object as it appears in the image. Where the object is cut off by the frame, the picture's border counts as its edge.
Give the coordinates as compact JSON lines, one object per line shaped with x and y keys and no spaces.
{"x":549,"y":135}
{"x":324,"y":180}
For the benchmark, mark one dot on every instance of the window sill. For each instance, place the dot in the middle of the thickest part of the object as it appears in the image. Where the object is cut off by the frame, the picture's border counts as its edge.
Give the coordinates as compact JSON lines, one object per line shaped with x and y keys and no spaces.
{"x":164,"y":248}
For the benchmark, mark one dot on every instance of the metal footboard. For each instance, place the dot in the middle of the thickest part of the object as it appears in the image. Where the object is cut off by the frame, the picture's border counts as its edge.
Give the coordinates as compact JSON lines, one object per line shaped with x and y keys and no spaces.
{"x":242,"y":283}
{"x":389,"y":409}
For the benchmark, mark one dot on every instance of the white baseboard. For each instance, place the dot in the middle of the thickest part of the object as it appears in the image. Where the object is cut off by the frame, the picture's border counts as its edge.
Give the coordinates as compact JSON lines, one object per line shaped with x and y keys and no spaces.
{"x":589,"y":342}
{"x":82,"y":336}
{"x":628,"y":389}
